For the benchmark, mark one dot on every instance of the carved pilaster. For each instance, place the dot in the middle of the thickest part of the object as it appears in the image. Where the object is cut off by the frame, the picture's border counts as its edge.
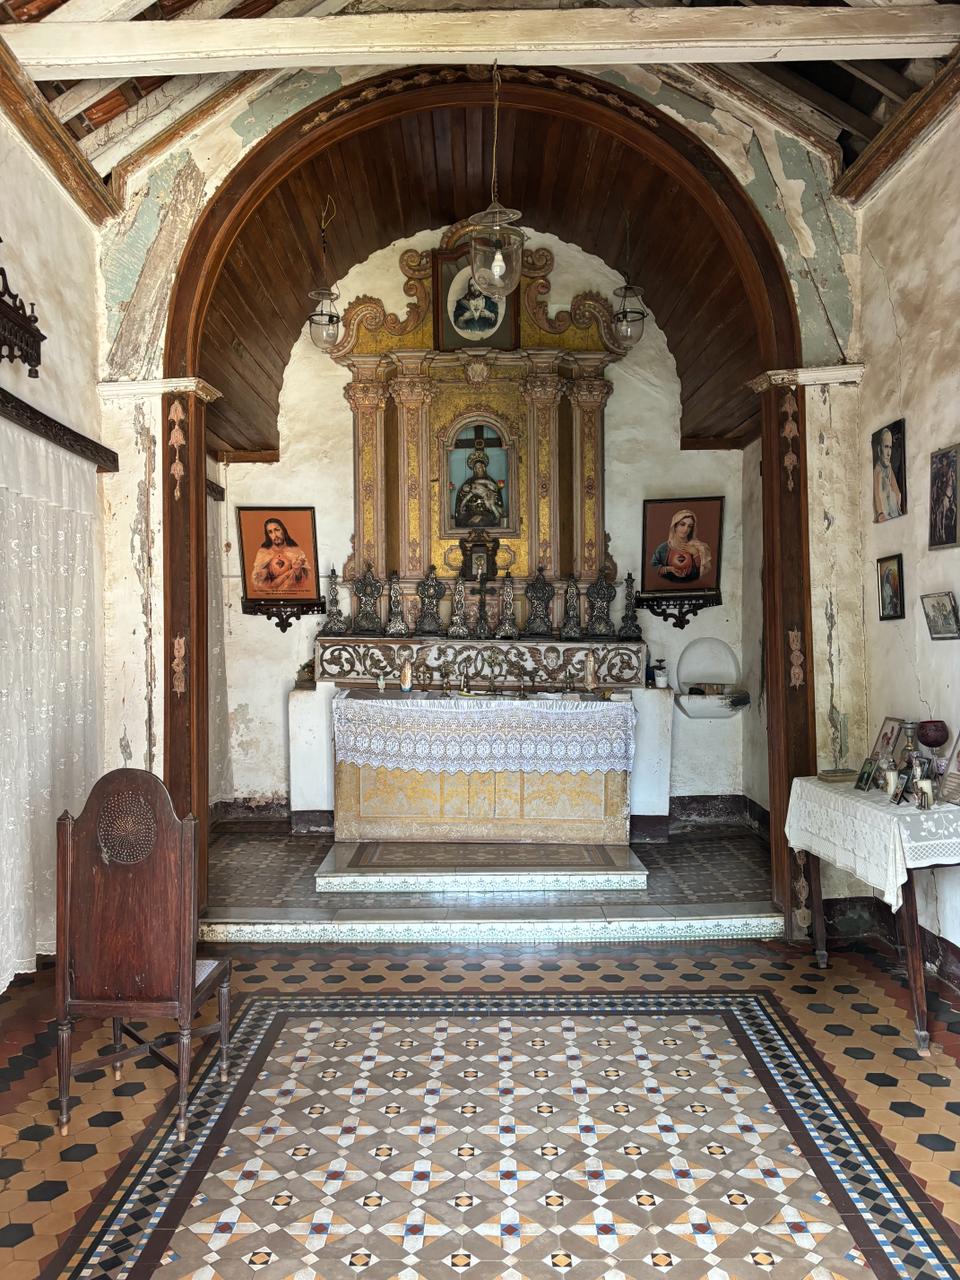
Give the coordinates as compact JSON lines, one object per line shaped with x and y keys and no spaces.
{"x":412,"y":395}
{"x":367,"y":397}
{"x":588,"y":395}
{"x":542,"y":390}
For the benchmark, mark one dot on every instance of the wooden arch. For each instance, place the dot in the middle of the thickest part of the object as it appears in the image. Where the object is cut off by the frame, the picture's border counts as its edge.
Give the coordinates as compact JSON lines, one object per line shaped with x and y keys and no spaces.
{"x":684,"y":162}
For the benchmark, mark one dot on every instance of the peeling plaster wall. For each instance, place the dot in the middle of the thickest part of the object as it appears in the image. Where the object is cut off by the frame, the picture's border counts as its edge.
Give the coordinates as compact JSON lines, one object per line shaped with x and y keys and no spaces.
{"x":756,"y":768}
{"x":911,"y":326}
{"x":221,"y":766}
{"x":316,"y":434}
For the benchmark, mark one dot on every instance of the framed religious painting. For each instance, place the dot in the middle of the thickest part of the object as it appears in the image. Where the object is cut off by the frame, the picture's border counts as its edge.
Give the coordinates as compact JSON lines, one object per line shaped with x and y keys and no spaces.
{"x":278,"y":560}
{"x":949,"y":789}
{"x":943,"y":498}
{"x":885,"y":747}
{"x":940,"y":611}
{"x":889,"y":472}
{"x":682,"y":544}
{"x":463,"y":316}
{"x":890,"y":587}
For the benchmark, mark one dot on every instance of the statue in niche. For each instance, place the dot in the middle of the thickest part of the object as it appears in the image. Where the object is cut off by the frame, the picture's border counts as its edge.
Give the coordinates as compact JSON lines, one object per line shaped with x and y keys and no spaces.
{"x":571,"y":628}
{"x":600,"y":596}
{"x":480,"y":500}
{"x":368,"y":590}
{"x":431,"y":591}
{"x":396,"y":624}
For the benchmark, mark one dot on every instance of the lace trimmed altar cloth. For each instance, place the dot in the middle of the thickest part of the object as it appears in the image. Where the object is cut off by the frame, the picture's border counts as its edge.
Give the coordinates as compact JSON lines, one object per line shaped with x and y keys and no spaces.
{"x":862,"y":832}
{"x":430,"y":734}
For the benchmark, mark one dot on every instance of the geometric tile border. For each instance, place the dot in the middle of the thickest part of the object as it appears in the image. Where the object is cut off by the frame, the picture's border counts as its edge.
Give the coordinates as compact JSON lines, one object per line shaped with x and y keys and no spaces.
{"x":898,"y":1230}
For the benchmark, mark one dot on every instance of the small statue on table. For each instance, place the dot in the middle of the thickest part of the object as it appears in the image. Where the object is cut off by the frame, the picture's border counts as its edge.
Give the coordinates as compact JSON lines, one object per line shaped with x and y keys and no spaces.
{"x":458,"y":629}
{"x":600,"y":595}
{"x":571,"y":628}
{"x":630,"y":628}
{"x":396,"y":623}
{"x":335,"y":624}
{"x":431,"y":591}
{"x":368,"y":589}
{"x":539,"y":595}
{"x":507,"y":628}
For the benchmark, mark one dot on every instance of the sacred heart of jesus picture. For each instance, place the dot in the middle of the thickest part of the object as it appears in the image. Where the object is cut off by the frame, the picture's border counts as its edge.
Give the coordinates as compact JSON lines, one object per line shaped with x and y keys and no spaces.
{"x":682,"y":541}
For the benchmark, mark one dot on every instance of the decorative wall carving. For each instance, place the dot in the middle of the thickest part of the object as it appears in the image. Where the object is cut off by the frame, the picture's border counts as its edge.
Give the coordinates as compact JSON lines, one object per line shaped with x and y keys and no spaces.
{"x":179,"y":665}
{"x":176,"y":441}
{"x":790,"y":431}
{"x":20,"y":335}
{"x":797,"y":659}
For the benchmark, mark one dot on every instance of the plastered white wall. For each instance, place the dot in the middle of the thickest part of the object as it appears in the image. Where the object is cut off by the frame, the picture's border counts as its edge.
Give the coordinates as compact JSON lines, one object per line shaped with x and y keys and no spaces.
{"x":316,"y":468}
{"x":911,"y":336}
{"x":756,"y":771}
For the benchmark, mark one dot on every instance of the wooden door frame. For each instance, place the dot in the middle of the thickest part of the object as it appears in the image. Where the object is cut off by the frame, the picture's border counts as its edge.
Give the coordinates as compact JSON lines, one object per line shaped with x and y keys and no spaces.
{"x":661,"y":139}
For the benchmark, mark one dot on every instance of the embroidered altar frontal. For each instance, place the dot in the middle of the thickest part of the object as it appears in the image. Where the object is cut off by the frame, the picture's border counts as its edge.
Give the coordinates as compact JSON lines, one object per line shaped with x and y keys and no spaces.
{"x":516,"y":1138}
{"x":482,"y":769}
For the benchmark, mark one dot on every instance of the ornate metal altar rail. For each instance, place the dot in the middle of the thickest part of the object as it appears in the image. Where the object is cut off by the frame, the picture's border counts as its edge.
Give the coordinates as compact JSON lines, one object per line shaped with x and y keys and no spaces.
{"x":486,"y":664}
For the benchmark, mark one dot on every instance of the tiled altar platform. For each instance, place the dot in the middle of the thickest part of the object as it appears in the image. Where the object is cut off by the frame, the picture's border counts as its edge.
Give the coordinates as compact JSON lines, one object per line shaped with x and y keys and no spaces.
{"x":708,"y":882}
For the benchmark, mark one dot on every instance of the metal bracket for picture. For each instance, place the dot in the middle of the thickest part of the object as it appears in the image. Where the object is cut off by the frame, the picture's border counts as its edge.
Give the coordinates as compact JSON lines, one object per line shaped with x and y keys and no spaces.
{"x":678,"y":609}
{"x":20,"y":335}
{"x":284,"y":614}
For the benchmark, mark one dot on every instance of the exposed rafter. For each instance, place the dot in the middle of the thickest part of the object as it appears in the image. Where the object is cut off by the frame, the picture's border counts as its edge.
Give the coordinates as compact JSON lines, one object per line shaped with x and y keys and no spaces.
{"x":588,"y":37}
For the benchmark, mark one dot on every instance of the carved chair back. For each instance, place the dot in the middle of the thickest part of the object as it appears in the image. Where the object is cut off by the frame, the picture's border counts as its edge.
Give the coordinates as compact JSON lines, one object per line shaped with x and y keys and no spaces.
{"x":126,"y":898}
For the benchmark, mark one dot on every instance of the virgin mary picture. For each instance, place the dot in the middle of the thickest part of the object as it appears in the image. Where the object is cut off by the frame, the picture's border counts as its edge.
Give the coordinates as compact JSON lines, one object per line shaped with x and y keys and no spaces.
{"x":472,"y":314}
{"x":681,"y":539}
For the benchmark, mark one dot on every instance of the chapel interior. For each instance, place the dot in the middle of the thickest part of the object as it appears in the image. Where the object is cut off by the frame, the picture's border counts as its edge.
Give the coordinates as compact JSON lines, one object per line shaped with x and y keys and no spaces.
{"x":479,"y":646}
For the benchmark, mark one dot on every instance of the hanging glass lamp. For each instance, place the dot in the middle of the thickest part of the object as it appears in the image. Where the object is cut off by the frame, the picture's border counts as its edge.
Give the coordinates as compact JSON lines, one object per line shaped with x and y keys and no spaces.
{"x":630,"y":314}
{"x":325,"y":320}
{"x":496,"y":245}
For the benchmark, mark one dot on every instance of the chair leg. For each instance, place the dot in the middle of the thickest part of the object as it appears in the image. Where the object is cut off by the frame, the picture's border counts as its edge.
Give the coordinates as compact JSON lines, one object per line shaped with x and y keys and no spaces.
{"x":223,"y":1010}
{"x":183,"y":1079}
{"x":64,"y":1032}
{"x":117,"y":1044}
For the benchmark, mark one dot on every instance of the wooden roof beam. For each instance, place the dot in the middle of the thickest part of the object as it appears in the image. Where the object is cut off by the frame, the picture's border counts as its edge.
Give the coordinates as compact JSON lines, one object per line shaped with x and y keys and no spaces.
{"x":586,"y":37}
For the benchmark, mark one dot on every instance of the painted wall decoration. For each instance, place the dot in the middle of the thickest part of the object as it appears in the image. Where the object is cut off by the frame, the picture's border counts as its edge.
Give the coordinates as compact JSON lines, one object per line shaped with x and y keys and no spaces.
{"x":682,"y":543}
{"x":462,"y":315}
{"x":889,"y":472}
{"x":940,"y":611}
{"x":278,"y":551}
{"x":890,"y":587}
{"x":943,"y":498}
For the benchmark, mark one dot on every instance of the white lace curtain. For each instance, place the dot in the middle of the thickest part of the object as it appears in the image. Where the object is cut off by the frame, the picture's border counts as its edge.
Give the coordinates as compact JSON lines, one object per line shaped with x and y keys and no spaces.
{"x":49,"y":731}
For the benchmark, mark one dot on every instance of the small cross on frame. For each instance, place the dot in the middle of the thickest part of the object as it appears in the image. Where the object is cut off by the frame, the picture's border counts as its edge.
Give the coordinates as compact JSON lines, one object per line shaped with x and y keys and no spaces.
{"x":482,"y":591}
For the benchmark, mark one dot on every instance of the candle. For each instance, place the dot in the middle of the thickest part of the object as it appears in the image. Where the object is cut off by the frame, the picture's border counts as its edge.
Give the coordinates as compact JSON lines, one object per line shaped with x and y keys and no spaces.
{"x":891,"y":781}
{"x":926,"y":789}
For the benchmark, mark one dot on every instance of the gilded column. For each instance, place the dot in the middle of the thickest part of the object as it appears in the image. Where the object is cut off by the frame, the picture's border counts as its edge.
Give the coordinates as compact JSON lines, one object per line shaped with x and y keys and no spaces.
{"x":367,"y":396}
{"x":588,"y":395}
{"x":411,"y":391}
{"x":542,"y":390}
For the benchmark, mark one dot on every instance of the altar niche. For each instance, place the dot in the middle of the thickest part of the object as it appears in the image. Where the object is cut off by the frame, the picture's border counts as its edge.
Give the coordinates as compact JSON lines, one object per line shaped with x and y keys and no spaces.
{"x":481,"y":479}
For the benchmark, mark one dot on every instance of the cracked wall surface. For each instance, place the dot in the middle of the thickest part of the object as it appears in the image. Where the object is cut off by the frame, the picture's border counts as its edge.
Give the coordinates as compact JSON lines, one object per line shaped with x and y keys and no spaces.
{"x":911,"y":336}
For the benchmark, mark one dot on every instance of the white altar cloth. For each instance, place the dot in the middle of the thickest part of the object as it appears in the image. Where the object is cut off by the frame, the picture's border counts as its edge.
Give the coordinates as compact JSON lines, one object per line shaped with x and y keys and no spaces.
{"x":862,"y":832}
{"x":434,"y":734}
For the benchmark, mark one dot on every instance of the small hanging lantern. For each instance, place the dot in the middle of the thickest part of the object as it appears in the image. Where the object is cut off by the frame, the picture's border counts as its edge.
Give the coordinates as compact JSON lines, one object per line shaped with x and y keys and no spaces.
{"x":496,"y":246}
{"x":630,"y":313}
{"x":325,"y":320}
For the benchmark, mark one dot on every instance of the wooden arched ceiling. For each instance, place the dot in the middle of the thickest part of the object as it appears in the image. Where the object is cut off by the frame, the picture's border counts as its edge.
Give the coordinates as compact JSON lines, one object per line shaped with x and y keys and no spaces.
{"x":431,"y":169}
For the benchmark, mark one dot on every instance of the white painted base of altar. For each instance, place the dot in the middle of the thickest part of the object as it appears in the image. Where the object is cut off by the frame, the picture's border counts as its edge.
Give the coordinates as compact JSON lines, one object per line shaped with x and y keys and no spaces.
{"x":310,"y":728}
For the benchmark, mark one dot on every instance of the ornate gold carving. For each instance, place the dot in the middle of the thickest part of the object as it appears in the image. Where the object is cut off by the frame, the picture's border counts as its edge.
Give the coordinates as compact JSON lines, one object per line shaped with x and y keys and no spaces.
{"x":790,"y":431}
{"x":476,"y":371}
{"x":797,"y":659}
{"x":589,"y":312}
{"x":178,"y":666}
{"x":176,"y":441}
{"x":367,"y":313}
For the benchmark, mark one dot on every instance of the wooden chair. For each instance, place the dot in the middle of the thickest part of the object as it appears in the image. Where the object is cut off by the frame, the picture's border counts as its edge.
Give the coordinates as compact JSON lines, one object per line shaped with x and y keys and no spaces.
{"x":127,"y":928}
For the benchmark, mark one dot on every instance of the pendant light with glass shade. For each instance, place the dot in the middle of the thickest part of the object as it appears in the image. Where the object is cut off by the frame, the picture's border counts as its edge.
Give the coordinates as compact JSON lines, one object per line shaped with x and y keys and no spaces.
{"x":325,"y":320}
{"x":630,"y":313}
{"x":496,"y":246}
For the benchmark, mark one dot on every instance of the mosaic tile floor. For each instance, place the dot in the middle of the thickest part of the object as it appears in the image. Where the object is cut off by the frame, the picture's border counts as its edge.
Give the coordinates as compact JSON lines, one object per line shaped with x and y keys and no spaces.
{"x":732,"y":1012}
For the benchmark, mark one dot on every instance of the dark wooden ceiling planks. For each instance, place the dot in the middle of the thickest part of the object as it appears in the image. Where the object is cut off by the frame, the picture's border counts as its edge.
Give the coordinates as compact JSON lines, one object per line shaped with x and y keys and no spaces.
{"x":432,"y":168}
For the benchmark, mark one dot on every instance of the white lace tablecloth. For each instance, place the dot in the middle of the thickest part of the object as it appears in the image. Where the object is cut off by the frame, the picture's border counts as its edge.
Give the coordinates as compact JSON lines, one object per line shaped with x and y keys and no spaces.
{"x":862,"y":832}
{"x":480,"y":735}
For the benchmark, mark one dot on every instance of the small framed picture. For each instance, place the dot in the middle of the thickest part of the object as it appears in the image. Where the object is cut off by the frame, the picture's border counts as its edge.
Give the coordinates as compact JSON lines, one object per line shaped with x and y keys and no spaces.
{"x":890,"y":587}
{"x":889,"y":472}
{"x":943,"y":498}
{"x":885,"y":747}
{"x":900,"y":790}
{"x":682,"y":542}
{"x":463,"y":316}
{"x":940,"y":611}
{"x":865,"y":777}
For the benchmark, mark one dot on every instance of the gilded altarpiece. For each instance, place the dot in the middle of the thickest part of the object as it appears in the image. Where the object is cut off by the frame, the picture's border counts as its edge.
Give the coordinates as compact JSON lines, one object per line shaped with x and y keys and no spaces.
{"x":504,"y":444}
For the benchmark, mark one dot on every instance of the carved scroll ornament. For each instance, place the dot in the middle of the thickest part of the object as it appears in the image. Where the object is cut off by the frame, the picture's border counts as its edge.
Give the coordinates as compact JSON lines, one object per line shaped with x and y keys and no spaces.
{"x":369,"y":313}
{"x":586,"y":309}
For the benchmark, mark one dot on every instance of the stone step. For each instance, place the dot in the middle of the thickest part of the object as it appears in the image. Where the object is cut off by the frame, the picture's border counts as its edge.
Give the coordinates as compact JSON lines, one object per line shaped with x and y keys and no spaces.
{"x":479,"y":869}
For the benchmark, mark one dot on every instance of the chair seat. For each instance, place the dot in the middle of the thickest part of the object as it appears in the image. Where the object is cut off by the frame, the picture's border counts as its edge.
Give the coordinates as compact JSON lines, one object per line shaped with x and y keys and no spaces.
{"x":204,"y":969}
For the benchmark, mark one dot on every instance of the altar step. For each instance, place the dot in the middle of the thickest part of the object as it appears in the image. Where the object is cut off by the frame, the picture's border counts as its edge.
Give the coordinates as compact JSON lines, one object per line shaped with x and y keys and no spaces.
{"x":502,"y":919}
{"x":399,"y":867}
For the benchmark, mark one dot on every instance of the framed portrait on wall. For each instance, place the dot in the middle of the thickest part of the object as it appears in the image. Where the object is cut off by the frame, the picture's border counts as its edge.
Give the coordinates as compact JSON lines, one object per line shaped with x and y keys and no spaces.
{"x":889,"y":472}
{"x":943,"y":498}
{"x":682,"y":544}
{"x":940,"y":611}
{"x":462,"y":315}
{"x":278,"y":561}
{"x":890,"y":587}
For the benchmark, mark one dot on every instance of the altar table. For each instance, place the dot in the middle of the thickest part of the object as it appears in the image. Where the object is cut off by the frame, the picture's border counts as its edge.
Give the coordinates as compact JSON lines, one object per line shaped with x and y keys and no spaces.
{"x":434,"y":768}
{"x":880,"y":843}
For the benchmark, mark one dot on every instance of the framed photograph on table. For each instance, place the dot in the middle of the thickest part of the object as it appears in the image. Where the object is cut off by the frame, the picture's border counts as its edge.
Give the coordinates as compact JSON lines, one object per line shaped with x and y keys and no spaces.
{"x":940,"y":611}
{"x":944,"y":469}
{"x":890,"y":587}
{"x":865,"y":777}
{"x":889,"y":472}
{"x":950,"y":782}
{"x":885,"y":747}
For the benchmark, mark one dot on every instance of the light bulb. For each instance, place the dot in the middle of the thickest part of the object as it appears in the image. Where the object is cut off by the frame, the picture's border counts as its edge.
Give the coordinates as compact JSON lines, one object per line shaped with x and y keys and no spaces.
{"x":498,"y":267}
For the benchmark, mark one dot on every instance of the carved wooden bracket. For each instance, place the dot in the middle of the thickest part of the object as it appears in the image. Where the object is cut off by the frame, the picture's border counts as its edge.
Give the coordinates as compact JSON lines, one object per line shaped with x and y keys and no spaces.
{"x":20,"y":335}
{"x":678,"y":609}
{"x":284,"y":614}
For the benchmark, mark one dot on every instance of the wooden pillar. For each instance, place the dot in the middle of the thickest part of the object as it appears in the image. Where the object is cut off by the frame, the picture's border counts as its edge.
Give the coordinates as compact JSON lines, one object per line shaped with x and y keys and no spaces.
{"x":367,"y":396}
{"x":411,"y":391}
{"x":541,"y":390}
{"x":588,"y":394}
{"x":185,"y":760}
